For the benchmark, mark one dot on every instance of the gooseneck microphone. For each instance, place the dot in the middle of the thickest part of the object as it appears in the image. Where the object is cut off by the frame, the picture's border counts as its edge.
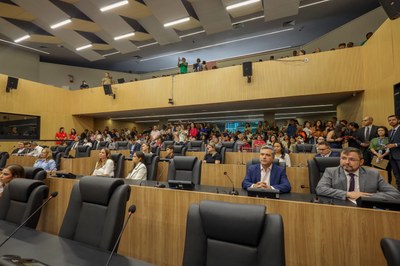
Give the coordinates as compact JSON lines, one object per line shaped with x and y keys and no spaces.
{"x":234,"y":191}
{"x":158,"y":179}
{"x":52,"y":195}
{"x":131,"y":210}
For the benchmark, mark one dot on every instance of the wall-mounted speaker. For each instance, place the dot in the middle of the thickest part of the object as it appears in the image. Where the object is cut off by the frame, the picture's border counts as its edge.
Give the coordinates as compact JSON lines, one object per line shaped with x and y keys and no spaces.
{"x":247,"y":69}
{"x":391,"y":7}
{"x":12,"y":84}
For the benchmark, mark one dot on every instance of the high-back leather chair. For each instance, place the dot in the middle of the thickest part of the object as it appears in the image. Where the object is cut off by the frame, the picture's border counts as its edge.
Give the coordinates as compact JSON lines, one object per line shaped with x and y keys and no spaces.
{"x":316,"y":168}
{"x":151,"y":162}
{"x":221,"y":233}
{"x":96,"y":211}
{"x":3,"y":159}
{"x":229,"y":145}
{"x":185,"y":168}
{"x":122,"y":145}
{"x":166,"y":143}
{"x":57,"y":158}
{"x":35,"y":173}
{"x":64,"y":150}
{"x":391,"y":251}
{"x":156,"y":150}
{"x":303,"y":148}
{"x":119,"y":162}
{"x":196,"y":145}
{"x":54,"y":148}
{"x":179,"y":150}
{"x":82,"y":151}
{"x":102,"y":145}
{"x":221,"y":150}
{"x":257,"y":161}
{"x":21,"y":197}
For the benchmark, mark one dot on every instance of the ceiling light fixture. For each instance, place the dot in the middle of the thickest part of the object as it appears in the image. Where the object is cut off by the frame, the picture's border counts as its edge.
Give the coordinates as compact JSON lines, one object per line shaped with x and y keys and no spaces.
{"x":22,"y":38}
{"x":84,"y":47}
{"x":191,"y":34}
{"x":115,"y":5}
{"x":245,"y":3}
{"x":124,"y":36}
{"x":217,"y":44}
{"x":179,"y":21}
{"x":306,"y":113}
{"x":145,"y":45}
{"x":113,"y":53}
{"x":315,"y":3}
{"x":23,"y":46}
{"x":59,"y":24}
{"x":247,"y":20}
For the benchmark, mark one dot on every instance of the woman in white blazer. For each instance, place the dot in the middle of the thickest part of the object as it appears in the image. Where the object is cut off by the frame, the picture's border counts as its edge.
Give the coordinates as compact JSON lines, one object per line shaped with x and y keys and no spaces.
{"x":139,"y":171}
{"x":104,"y":166}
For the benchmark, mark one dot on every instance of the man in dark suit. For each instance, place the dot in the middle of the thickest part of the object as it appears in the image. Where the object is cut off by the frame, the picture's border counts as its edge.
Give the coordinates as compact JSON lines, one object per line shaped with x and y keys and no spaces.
{"x":350,"y":180}
{"x":364,"y":136}
{"x":134,"y":146}
{"x":324,"y":150}
{"x":266,"y":174}
{"x":394,"y":146}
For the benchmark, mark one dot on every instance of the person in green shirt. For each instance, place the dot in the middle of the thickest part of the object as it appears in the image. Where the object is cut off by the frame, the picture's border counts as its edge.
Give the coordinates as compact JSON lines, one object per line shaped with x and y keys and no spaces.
{"x":183,"y":65}
{"x":378,"y":148}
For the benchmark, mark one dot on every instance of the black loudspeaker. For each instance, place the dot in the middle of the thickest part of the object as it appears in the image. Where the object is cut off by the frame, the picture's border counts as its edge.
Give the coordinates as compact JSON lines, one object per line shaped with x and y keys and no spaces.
{"x":397,"y":99}
{"x":12,"y":84}
{"x":247,"y":69}
{"x":391,"y":7}
{"x":107,"y":89}
{"x":121,"y":80}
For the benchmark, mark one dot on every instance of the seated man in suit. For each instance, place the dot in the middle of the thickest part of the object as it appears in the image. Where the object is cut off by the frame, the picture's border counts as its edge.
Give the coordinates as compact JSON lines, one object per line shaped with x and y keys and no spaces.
{"x":350,"y":180}
{"x":266,"y":174}
{"x":324,"y":150}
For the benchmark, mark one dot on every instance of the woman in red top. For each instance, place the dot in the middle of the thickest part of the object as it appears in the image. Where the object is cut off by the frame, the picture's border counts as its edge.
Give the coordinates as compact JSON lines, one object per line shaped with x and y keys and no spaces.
{"x":72,"y":134}
{"x":193,"y":131}
{"x":61,"y":135}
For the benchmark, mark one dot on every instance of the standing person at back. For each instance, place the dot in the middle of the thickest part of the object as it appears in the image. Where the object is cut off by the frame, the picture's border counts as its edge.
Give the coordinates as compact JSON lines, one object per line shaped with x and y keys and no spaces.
{"x":183,"y":65}
{"x":394,"y":146}
{"x":107,"y":80}
{"x":365,"y":135}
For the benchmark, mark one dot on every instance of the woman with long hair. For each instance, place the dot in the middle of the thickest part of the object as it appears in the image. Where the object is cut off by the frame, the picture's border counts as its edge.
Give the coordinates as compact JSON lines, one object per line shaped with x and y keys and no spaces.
{"x":9,"y":173}
{"x":281,"y":155}
{"x":104,"y":165}
{"x":139,"y":171}
{"x":46,"y":161}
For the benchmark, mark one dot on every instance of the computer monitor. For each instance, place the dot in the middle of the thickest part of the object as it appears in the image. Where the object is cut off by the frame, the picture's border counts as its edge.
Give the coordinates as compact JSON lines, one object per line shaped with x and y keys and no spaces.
{"x":107,"y":89}
{"x":121,"y":80}
{"x":12,"y":84}
{"x":381,"y":204}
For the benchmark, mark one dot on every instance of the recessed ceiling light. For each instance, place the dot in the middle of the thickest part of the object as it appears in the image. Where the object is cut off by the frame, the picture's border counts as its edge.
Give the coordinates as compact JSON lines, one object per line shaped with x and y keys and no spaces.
{"x":315,"y":3}
{"x":124,"y":36}
{"x":115,"y":5}
{"x":245,"y":3}
{"x":179,"y":21}
{"x":84,"y":47}
{"x":23,"y":46}
{"x":22,"y":38}
{"x":59,"y":24}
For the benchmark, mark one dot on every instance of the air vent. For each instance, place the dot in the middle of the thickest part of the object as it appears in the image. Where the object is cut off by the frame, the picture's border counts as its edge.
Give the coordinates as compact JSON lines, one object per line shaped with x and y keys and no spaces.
{"x":289,"y":23}
{"x":238,"y":26}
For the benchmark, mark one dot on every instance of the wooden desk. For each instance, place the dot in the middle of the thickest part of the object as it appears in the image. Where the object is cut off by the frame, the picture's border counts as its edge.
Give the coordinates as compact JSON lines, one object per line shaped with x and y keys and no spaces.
{"x":22,"y":160}
{"x":315,"y":234}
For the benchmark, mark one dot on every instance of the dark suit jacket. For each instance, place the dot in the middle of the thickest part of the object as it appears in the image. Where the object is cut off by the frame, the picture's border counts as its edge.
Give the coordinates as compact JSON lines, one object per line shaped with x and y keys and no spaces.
{"x":278,"y":178}
{"x":395,"y":152}
{"x":332,"y":154}
{"x":372,"y":134}
{"x":134,"y":147}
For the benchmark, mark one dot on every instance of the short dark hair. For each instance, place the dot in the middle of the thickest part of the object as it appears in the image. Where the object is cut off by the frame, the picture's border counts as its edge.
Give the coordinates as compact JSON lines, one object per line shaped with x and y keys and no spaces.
{"x":324,"y":143}
{"x":352,"y":149}
{"x":393,"y":116}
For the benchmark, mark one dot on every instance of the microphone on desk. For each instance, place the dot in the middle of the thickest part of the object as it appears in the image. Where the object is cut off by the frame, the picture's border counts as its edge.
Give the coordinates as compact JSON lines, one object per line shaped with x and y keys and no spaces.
{"x":52,"y":195}
{"x":158,"y":179}
{"x":131,"y":210}
{"x":304,"y":186}
{"x":234,"y":191}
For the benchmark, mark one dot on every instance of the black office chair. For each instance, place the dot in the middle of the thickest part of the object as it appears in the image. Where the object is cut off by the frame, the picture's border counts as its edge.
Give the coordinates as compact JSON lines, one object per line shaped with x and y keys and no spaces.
{"x":21,"y":197}
{"x":119,"y":162}
{"x":196,"y":145}
{"x":229,"y":145}
{"x":3,"y":159}
{"x":57,"y":158}
{"x":122,"y":145}
{"x":179,"y":150}
{"x":257,"y":161}
{"x":35,"y":173}
{"x":185,"y":168}
{"x":167,"y":143}
{"x":221,"y":150}
{"x":303,"y":148}
{"x":82,"y":151}
{"x":96,"y":211}
{"x":316,"y":168}
{"x":221,"y":233}
{"x":102,"y":145}
{"x":156,"y":150}
{"x":151,"y":162}
{"x":64,"y":150}
{"x":391,"y":251}
{"x":54,"y":148}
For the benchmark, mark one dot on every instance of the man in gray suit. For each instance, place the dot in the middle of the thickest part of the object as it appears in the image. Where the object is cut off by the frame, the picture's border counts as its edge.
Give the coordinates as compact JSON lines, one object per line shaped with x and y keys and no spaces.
{"x":351,"y":181}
